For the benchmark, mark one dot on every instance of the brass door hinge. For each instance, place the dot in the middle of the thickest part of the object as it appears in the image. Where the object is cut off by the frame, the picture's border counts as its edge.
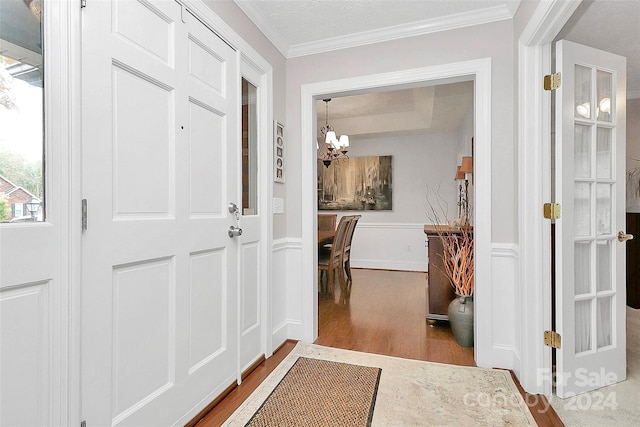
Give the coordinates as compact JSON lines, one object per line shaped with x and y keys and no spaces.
{"x":552,"y":210}
{"x":552,"y":81}
{"x":552,"y":339}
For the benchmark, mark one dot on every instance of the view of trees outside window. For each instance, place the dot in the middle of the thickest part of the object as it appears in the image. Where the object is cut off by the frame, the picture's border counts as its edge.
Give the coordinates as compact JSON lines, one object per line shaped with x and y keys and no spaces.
{"x":21,"y":113}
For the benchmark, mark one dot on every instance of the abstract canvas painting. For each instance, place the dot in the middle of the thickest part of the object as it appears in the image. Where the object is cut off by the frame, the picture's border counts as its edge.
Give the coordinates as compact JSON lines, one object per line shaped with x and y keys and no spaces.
{"x":357,"y":184}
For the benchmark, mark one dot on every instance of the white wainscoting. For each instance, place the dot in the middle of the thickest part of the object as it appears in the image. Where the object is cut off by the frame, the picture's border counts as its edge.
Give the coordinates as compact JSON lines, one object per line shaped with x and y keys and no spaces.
{"x":505,"y":266}
{"x":286,"y":296}
{"x":289,"y":316}
{"x":389,"y":247}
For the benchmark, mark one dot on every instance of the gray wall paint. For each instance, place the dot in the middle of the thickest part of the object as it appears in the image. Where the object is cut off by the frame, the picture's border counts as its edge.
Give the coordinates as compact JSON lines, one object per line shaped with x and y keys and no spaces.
{"x":493,"y":40}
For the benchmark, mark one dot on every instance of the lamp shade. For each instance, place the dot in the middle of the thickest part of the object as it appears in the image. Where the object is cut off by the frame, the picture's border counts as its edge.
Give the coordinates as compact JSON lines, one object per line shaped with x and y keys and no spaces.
{"x":344,"y":141}
{"x":467,"y":165}
{"x":459,"y":173}
{"x":331,"y":139}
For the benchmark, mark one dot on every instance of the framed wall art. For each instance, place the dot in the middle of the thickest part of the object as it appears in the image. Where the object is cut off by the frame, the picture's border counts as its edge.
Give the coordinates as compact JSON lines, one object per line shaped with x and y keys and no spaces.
{"x":278,"y":151}
{"x":361,"y":183}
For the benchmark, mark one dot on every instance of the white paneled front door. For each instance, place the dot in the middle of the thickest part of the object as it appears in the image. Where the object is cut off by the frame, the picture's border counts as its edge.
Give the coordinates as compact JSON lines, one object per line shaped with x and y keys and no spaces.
{"x":160,"y":156}
{"x":590,"y":185}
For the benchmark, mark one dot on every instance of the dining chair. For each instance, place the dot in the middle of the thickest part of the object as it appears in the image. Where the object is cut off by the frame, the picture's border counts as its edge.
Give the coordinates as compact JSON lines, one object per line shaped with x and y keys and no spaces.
{"x":331,"y":263}
{"x":346,"y":251}
{"x":327,"y":221}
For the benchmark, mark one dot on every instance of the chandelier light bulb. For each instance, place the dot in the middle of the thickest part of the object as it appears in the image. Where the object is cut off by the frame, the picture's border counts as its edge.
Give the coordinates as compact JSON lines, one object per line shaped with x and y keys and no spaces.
{"x":584,"y":109}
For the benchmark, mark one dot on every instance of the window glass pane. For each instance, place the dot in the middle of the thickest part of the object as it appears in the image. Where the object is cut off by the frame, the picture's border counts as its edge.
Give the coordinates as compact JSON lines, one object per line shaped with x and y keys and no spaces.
{"x":603,"y":153}
{"x":582,"y":151}
{"x":604,"y":254}
{"x":21,"y":113}
{"x":603,"y":209}
{"x":605,"y":105}
{"x":583,"y":326}
{"x":249,"y":149}
{"x":583,"y":92}
{"x":604,"y":322}
{"x":582,"y":209}
{"x":581,"y":268}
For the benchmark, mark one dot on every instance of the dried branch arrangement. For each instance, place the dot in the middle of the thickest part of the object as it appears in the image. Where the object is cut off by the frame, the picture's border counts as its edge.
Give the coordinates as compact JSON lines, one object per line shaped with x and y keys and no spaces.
{"x":458,"y":246}
{"x":633,"y":184}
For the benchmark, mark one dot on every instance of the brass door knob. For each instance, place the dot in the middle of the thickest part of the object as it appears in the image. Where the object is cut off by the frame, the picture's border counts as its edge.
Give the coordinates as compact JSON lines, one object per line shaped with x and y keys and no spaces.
{"x":623,"y":237}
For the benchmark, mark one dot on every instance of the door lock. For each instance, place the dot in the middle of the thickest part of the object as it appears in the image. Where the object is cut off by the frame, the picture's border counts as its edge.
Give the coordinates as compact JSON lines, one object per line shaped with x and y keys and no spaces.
{"x":623,"y":237}
{"x":234,"y":231}
{"x":233,"y":209}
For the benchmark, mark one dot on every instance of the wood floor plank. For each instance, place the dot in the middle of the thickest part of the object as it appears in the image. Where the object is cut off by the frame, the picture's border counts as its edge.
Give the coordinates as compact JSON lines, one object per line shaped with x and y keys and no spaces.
{"x":384,"y":314}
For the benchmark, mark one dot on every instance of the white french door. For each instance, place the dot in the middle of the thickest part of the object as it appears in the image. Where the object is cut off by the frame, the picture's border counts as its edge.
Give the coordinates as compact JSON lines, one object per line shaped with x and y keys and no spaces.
{"x":160,"y":167}
{"x":590,"y":186}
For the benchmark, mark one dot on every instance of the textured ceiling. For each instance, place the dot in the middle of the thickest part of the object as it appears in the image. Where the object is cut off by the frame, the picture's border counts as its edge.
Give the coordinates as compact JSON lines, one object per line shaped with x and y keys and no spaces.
{"x":299,"y":27}
{"x":430,"y":109}
{"x":613,"y":26}
{"x":312,"y":20}
{"x":302,"y":27}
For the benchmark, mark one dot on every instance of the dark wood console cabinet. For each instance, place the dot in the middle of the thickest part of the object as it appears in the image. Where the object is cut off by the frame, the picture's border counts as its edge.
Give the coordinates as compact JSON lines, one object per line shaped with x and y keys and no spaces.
{"x":439,"y":292}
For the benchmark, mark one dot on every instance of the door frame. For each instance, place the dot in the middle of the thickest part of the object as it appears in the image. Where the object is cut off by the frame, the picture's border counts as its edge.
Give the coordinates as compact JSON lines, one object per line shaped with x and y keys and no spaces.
{"x":478,"y":70}
{"x":534,"y":189}
{"x":62,"y":106}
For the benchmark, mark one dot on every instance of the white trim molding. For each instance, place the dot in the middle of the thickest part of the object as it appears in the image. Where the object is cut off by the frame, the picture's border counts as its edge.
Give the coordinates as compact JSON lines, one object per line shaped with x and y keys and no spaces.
{"x":503,"y":305}
{"x":411,"y":29}
{"x":427,"y":26}
{"x":286,"y":300}
{"x":534,"y":166}
{"x":478,"y":70}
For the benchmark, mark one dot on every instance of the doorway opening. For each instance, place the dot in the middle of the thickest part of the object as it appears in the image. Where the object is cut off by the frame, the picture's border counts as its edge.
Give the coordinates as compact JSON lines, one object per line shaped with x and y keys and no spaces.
{"x":405,"y":151}
{"x":479,"y":71}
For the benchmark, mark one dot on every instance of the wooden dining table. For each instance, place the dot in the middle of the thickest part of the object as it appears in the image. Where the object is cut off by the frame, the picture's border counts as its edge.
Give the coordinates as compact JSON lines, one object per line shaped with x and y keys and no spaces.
{"x":325,"y":236}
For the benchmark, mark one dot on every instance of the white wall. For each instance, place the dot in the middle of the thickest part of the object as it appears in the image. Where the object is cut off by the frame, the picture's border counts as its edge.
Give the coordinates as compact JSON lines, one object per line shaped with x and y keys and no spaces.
{"x":493,"y":40}
{"x":394,"y":240}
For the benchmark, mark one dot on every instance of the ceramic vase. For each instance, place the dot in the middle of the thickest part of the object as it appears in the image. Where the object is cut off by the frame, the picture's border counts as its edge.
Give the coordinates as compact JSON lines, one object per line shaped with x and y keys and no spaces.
{"x":460,"y":314}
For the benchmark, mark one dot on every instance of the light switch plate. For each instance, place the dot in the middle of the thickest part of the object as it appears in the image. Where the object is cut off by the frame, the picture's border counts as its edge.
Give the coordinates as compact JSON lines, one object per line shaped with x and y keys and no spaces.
{"x":278,"y":205}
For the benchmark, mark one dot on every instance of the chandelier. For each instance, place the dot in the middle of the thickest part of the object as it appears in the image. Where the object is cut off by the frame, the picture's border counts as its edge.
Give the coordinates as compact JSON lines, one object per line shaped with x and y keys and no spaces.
{"x":330,"y":148}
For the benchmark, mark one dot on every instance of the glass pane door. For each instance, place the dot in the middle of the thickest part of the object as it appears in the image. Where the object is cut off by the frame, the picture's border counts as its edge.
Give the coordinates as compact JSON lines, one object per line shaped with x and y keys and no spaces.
{"x":21,"y":113}
{"x":594,"y":208}
{"x":249,"y":149}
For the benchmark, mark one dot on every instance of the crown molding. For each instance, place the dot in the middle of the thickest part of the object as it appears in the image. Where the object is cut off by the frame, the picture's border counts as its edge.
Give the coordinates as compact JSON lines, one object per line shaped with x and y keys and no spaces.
{"x":427,"y":26}
{"x":445,"y":23}
{"x":264,"y":25}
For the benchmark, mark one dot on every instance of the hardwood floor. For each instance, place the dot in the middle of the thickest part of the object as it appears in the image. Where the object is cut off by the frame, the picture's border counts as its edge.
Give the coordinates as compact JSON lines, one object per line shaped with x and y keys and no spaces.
{"x":384,"y":314}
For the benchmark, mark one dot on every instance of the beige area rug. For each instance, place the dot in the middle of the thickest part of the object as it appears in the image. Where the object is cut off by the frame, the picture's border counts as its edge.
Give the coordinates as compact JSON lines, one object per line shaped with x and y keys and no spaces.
{"x":412,"y":392}
{"x":617,"y":405}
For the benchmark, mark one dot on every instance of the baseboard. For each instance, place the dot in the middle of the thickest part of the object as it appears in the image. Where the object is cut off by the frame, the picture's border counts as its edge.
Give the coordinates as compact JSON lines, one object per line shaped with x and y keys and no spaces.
{"x":279,"y":335}
{"x":376,"y":264}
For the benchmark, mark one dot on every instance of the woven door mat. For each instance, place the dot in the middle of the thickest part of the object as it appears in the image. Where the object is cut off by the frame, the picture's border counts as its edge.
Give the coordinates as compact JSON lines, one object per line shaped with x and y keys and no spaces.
{"x":321,"y":393}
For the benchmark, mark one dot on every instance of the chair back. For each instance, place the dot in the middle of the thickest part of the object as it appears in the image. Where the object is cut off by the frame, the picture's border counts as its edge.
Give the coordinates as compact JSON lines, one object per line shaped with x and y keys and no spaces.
{"x":337,"y":247}
{"x":327,"y":221}
{"x":346,"y":252}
